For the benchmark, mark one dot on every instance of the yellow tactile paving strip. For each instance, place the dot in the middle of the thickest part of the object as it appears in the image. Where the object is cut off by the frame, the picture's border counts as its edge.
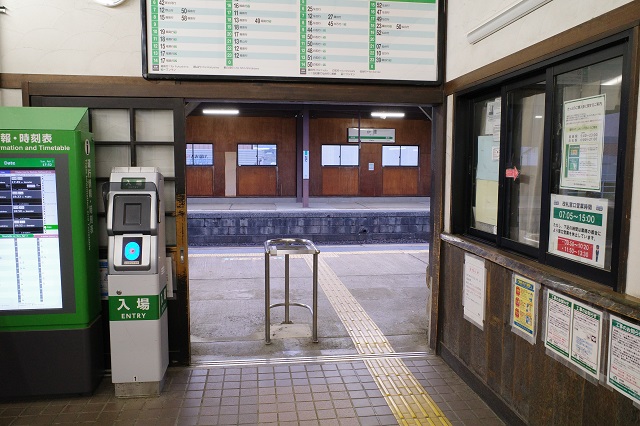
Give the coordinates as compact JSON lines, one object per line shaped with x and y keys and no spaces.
{"x":407,"y":399}
{"x":409,"y":402}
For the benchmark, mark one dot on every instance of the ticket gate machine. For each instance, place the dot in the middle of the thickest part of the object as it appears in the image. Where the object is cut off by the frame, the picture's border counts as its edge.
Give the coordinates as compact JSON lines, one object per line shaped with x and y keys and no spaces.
{"x":137,"y":280}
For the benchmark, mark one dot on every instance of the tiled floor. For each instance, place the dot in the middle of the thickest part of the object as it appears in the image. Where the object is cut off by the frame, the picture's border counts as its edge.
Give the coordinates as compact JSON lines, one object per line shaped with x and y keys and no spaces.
{"x":291,"y":393}
{"x":365,"y":382}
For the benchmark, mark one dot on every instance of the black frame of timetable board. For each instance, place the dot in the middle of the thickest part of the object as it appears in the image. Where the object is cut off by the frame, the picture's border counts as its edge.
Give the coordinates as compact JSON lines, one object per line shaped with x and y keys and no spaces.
{"x":65,"y":243}
{"x":439,"y":45}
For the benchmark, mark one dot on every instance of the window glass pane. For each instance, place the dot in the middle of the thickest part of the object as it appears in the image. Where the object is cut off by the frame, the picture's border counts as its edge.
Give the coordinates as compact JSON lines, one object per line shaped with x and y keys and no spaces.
{"x":110,"y":125}
{"x":169,"y":196}
{"x":154,"y":125}
{"x":110,"y":156}
{"x":409,"y":156}
{"x":349,"y":155}
{"x":330,"y":155}
{"x":202,"y":154}
{"x":247,"y":155}
{"x":156,"y":156}
{"x":523,"y":185}
{"x":584,"y":162}
{"x":390,"y":155}
{"x":189,"y":154}
{"x":486,"y":147}
{"x":267,"y":155}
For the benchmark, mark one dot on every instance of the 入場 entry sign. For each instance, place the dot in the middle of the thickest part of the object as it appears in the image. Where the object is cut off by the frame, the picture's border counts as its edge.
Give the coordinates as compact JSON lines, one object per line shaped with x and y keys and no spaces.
{"x":578,"y":228}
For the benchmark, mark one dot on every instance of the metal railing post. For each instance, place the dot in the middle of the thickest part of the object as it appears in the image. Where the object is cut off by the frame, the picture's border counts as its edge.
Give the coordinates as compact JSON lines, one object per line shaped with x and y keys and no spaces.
{"x":289,"y":246}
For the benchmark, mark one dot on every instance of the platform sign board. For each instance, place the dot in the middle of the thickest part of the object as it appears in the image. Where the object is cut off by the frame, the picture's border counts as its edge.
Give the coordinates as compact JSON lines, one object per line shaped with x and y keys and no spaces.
{"x":623,"y":373}
{"x":357,"y":135}
{"x":357,"y":40}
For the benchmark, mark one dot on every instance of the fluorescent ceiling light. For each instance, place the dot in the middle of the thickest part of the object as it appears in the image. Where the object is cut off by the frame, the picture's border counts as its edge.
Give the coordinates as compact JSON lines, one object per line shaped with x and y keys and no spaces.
{"x":221,"y":111}
{"x":504,"y":18}
{"x":384,"y":114}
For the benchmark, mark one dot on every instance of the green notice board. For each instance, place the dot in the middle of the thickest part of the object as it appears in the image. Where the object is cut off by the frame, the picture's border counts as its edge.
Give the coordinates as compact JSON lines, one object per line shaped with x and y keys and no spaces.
{"x":48,"y":240}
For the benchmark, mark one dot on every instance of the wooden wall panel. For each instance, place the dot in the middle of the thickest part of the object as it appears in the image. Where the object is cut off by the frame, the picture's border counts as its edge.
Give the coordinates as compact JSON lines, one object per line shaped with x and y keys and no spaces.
{"x":536,"y":388}
{"x":341,"y":181}
{"x":400,"y":180}
{"x":227,"y":132}
{"x":199,"y":181}
{"x":324,"y":131}
{"x":370,"y":180}
{"x":257,"y":181}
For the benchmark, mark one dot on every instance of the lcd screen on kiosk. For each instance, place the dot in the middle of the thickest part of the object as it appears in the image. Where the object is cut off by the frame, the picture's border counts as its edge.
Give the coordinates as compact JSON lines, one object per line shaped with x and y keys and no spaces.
{"x":29,"y":240}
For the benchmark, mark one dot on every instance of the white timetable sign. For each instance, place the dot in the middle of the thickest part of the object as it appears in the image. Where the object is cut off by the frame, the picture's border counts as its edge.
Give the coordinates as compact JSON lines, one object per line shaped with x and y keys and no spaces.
{"x":392,"y":40}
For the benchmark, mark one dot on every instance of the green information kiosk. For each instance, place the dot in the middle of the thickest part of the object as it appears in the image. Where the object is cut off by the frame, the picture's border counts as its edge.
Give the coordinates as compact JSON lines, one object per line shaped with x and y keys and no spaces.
{"x":50,"y":309}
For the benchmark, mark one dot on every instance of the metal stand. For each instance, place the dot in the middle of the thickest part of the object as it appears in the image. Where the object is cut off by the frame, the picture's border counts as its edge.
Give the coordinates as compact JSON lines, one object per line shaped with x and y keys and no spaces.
{"x":287,"y":246}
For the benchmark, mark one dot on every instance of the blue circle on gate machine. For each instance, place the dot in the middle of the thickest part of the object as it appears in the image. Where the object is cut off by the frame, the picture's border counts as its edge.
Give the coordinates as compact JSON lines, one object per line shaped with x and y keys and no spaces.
{"x":132,"y":250}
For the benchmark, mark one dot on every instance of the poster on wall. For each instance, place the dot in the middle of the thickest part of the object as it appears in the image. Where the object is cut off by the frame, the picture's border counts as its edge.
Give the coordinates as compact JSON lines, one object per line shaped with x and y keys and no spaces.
{"x":523,"y":307}
{"x":474,"y":289}
{"x":586,"y":338}
{"x":623,"y":373}
{"x":582,"y":143}
{"x":558,"y":325}
{"x":574,"y":332}
{"x":578,"y":228}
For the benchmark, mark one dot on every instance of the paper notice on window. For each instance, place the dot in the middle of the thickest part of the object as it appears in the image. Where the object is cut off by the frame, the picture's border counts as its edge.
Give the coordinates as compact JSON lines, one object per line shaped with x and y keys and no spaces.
{"x":582,"y":143}
{"x":474,"y":290}
{"x":558,"y":329}
{"x":586,"y":338}
{"x":578,"y":228}
{"x":623,"y":373}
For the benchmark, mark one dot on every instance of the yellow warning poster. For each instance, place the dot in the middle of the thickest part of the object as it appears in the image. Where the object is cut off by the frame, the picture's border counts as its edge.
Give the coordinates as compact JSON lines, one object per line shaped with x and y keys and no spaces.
{"x":524,"y":306}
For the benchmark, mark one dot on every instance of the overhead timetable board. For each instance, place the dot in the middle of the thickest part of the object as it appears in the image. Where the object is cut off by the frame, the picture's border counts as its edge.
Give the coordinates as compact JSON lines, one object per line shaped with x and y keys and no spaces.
{"x":393,"y":41}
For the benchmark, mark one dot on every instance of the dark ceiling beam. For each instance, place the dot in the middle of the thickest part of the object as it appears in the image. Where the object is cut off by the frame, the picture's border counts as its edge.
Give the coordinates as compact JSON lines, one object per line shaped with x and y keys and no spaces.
{"x":243,"y":91}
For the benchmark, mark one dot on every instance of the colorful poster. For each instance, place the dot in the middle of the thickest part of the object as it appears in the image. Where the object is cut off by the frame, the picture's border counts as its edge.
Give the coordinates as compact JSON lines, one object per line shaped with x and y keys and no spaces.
{"x":623,"y":373}
{"x":558,"y":325}
{"x":524,"y":307}
{"x":578,"y":228}
{"x":582,"y":143}
{"x":474,"y":289}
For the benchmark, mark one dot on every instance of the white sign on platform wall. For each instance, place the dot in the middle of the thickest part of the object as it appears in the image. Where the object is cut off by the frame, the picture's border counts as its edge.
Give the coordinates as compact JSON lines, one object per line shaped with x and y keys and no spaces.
{"x":578,"y":228}
{"x":474,"y":290}
{"x":305,"y":164}
{"x":582,"y":143}
{"x":371,"y":135}
{"x":623,"y":373}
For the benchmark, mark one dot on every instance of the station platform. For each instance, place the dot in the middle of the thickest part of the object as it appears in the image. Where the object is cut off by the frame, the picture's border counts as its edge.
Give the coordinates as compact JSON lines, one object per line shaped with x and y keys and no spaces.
{"x":350,"y":220}
{"x":371,"y":365}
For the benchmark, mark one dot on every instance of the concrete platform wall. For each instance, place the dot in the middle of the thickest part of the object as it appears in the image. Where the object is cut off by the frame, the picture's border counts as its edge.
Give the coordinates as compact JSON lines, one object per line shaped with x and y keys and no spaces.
{"x":362,"y":226}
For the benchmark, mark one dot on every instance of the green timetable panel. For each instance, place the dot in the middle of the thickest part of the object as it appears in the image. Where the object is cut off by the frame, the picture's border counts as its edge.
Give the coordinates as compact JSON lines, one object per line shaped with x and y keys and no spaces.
{"x":29,"y":243}
{"x":393,"y":40}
